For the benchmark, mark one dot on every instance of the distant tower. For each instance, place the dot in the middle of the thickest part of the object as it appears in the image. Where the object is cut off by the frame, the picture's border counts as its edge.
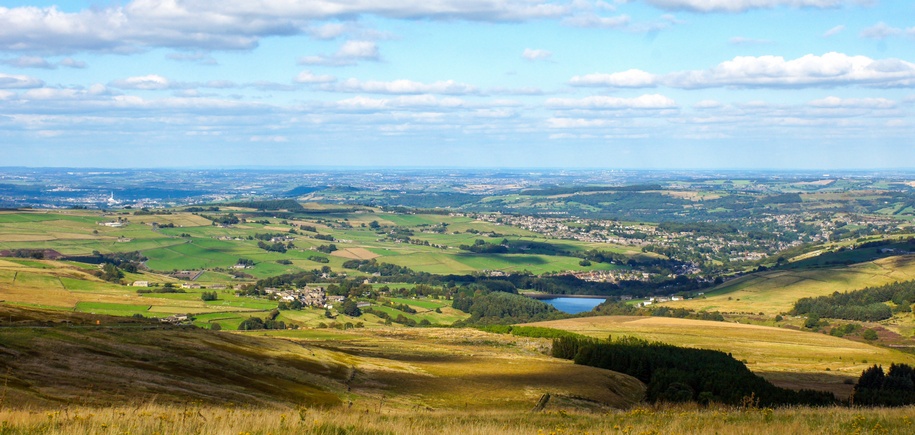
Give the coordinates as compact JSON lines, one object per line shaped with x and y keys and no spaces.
{"x":111,"y":199}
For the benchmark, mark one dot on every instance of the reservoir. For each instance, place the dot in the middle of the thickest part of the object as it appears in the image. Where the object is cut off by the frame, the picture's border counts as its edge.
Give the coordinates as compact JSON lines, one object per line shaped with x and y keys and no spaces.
{"x":574,"y":305}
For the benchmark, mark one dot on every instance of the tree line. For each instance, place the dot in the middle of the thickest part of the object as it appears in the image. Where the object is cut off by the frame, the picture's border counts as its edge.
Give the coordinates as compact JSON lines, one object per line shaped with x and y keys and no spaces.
{"x":677,"y":374}
{"x":866,"y":305}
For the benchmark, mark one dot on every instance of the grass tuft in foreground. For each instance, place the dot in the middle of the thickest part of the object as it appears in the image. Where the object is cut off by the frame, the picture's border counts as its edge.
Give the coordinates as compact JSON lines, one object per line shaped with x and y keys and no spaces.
{"x":373,"y":418}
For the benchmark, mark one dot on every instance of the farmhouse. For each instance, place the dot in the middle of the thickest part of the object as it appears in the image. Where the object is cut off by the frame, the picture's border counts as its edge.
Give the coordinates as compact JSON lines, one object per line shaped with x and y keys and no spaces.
{"x":140,"y":284}
{"x":175,"y":319}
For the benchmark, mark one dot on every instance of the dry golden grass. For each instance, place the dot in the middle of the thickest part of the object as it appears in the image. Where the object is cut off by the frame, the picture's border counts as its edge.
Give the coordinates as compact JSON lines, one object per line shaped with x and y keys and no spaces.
{"x":355,"y":254}
{"x":179,"y":219}
{"x":787,"y":357}
{"x":776,"y":292}
{"x":375,"y":418}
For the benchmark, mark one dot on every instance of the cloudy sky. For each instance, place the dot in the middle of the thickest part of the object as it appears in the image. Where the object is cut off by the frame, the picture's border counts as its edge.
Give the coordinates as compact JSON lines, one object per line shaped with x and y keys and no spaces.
{"x":658,"y":84}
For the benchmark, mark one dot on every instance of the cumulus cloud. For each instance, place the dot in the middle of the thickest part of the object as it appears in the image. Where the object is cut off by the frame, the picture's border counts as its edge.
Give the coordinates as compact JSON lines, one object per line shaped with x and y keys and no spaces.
{"x":632,"y":78}
{"x":227,"y":24}
{"x":860,"y":103}
{"x":350,"y":53}
{"x":365,"y":50}
{"x":69,"y":62}
{"x":29,"y":62}
{"x":310,"y":78}
{"x":328,"y":31}
{"x":594,"y":20}
{"x":828,"y":70}
{"x":361,"y":103}
{"x":536,"y":54}
{"x":644,"y":102}
{"x":12,"y":81}
{"x":405,"y":87}
{"x":739,"y":5}
{"x":151,"y":82}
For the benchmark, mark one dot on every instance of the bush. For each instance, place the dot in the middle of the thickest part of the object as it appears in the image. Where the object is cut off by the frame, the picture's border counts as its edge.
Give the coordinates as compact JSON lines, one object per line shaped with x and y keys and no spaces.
{"x":870,"y":335}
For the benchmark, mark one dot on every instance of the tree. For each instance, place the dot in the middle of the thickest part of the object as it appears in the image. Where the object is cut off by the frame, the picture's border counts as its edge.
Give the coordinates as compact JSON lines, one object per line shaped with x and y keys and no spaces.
{"x":209,"y":296}
{"x":251,"y":323}
{"x":812,"y":321}
{"x":869,"y":335}
{"x":111,"y":273}
{"x":351,"y":309}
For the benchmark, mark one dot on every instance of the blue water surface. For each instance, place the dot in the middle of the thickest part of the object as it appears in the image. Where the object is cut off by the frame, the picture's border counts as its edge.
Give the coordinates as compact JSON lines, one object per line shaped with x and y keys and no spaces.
{"x":574,"y":305}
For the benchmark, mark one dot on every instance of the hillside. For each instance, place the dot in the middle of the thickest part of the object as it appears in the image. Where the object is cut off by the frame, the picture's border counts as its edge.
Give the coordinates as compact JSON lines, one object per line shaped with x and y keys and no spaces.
{"x":786,"y":357}
{"x":48,"y":363}
{"x":775,"y":292}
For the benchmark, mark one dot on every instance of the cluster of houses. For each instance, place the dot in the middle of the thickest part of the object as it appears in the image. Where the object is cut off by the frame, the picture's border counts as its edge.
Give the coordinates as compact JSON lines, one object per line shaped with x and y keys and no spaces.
{"x":116,"y":224}
{"x":659,"y":299}
{"x":308,"y":296}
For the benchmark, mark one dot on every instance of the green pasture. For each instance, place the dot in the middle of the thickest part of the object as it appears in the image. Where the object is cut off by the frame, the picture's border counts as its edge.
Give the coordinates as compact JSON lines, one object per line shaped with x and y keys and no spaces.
{"x":111,"y":308}
{"x":228,"y":321}
{"x":29,"y":279}
{"x":428,"y":304}
{"x":82,"y":285}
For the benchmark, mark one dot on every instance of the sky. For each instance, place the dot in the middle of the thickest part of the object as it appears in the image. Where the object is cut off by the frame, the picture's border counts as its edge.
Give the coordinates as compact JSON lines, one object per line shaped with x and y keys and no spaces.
{"x":630,"y":84}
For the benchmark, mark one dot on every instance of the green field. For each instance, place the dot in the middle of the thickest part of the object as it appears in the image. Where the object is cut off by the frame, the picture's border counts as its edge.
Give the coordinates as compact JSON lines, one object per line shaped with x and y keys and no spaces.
{"x":79,"y":233}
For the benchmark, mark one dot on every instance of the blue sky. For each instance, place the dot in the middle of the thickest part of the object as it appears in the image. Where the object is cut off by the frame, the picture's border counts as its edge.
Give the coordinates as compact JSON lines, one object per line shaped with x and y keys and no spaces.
{"x":655,"y":84}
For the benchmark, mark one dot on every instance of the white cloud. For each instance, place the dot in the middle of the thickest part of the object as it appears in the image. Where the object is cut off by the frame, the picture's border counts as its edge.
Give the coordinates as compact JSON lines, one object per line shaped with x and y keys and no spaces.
{"x":13,"y":81}
{"x":632,"y":78}
{"x":643,"y":102}
{"x":859,"y":103}
{"x":29,"y":62}
{"x":348,"y":54}
{"x":72,"y":63}
{"x":536,"y":54}
{"x":828,"y":70}
{"x":146,"y":83}
{"x":365,"y":50}
{"x":740,"y":5}
{"x":227,"y":24}
{"x":328,"y":31}
{"x":310,"y":78}
{"x":834,"y":31}
{"x":361,"y":103}
{"x":405,"y":87}
{"x":594,"y":20}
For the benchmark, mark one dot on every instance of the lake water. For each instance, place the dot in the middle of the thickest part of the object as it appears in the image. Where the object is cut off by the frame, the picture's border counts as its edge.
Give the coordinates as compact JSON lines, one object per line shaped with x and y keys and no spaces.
{"x":574,"y":305}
